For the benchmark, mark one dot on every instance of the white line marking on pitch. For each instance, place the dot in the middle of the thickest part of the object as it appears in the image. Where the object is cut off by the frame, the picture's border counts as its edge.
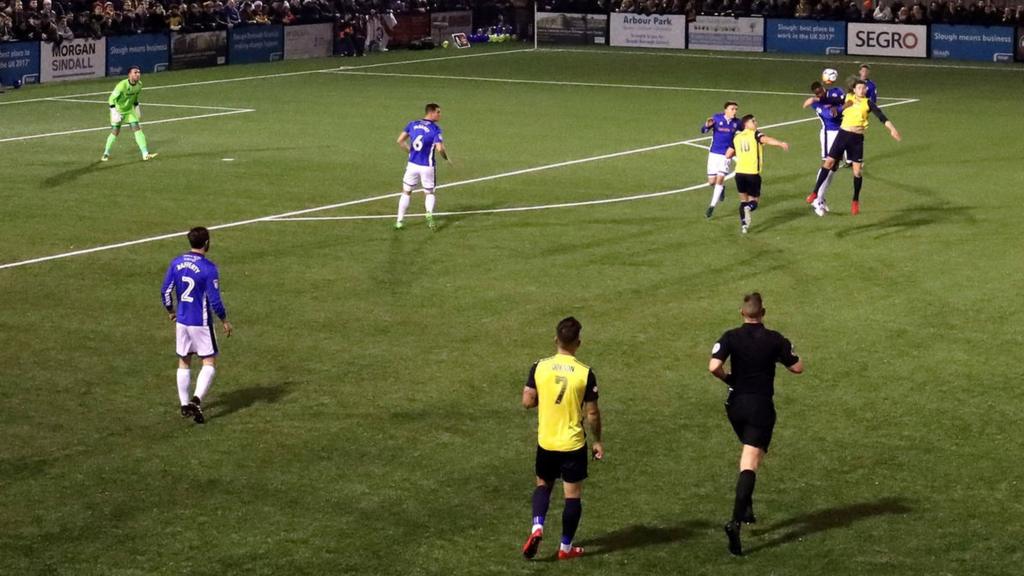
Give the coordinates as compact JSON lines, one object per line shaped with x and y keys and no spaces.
{"x":390,"y":195}
{"x":823,"y":59}
{"x":278,"y":75}
{"x":82,"y":130}
{"x":148,"y":104}
{"x":581,"y":84}
{"x":510,"y":209}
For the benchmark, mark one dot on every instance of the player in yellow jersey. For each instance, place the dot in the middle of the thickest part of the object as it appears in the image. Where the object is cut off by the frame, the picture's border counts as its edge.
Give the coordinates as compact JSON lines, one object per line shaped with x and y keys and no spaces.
{"x":124,"y":107}
{"x":564,"y":391}
{"x":748,"y":149}
{"x":850,"y":140}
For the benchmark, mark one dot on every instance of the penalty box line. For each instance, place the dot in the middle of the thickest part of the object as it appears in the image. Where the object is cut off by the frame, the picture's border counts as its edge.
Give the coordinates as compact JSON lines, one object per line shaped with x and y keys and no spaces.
{"x":580,"y":84}
{"x":293,"y":213}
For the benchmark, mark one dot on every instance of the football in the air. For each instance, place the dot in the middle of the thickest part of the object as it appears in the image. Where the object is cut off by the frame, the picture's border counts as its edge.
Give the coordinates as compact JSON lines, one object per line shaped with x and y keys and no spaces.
{"x":829,"y":75}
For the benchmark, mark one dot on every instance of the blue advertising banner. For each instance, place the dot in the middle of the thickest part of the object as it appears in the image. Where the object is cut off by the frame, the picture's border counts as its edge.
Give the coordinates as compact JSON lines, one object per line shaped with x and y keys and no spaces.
{"x":984,"y":43}
{"x":19,"y":62}
{"x":252,"y":44}
{"x":151,"y":52}
{"x":805,"y":36}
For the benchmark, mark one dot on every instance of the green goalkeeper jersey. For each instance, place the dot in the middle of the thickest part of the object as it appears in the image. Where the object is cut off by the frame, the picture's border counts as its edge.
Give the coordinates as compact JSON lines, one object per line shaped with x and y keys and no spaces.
{"x":125,"y":96}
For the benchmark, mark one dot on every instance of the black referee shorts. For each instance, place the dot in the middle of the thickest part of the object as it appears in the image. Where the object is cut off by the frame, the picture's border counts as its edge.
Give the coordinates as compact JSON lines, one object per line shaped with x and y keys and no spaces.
{"x":850,"y":144}
{"x":749,"y":184}
{"x":753,"y":418}
{"x":569,"y":466}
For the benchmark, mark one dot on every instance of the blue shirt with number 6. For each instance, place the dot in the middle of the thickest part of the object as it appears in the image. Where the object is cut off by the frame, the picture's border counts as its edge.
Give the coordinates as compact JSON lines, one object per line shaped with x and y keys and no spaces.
{"x":196,"y":283}
{"x":423,"y":134}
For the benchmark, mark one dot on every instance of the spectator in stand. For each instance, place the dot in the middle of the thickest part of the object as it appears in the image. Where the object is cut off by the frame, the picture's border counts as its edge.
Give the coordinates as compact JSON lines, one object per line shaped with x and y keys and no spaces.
{"x":853,"y":12}
{"x":883,"y":12}
{"x":6,"y":25}
{"x":230,"y":14}
{"x":917,"y":15}
{"x":803,"y":9}
{"x":903,"y":16}
{"x":156,"y":21}
{"x":174,"y":20}
{"x":262,"y":16}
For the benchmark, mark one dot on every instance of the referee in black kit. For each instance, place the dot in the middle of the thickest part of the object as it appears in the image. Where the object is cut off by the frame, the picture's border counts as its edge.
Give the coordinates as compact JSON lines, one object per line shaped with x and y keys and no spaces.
{"x":754,"y":350}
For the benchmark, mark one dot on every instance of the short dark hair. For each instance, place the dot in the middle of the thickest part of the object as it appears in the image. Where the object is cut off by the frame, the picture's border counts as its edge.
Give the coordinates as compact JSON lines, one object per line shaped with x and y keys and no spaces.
{"x":730,"y":103}
{"x":130,"y":68}
{"x":753,"y":305}
{"x":568,"y":331}
{"x":745,"y":119}
{"x":198,"y":237}
{"x":858,"y":81}
{"x":815,"y":86}
{"x":868,"y":66}
{"x":432,"y":108}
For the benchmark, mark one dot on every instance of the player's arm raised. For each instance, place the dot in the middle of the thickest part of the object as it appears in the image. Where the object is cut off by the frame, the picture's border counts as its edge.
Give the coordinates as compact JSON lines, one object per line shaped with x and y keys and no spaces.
{"x":403,"y":141}
{"x":708,"y":124}
{"x":769,"y":141}
{"x":885,"y":120}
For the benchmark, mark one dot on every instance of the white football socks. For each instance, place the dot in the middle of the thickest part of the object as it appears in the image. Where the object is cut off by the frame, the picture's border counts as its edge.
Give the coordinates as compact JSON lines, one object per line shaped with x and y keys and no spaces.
{"x":204,"y":380}
{"x":428,"y":202}
{"x":184,"y":380}
{"x":403,"y":205}
{"x":825,"y":185}
{"x":717,"y":193}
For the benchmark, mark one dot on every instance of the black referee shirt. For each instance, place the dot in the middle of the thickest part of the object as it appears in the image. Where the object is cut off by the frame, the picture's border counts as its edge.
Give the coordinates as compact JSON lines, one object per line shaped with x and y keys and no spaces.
{"x":754,"y":350}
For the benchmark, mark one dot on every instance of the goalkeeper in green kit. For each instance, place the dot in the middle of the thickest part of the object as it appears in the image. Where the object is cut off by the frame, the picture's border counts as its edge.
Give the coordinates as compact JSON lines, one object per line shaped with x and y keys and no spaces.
{"x":124,"y":107}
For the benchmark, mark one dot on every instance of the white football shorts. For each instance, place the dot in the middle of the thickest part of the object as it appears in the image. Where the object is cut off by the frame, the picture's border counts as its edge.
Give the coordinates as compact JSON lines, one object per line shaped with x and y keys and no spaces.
{"x":827,"y":137}
{"x":718,"y":165}
{"x":416,"y":175}
{"x":199,"y":340}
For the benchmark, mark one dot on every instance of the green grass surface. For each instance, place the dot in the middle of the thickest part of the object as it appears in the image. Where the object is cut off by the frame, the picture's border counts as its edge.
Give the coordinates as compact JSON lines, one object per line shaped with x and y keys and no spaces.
{"x":365,"y":418}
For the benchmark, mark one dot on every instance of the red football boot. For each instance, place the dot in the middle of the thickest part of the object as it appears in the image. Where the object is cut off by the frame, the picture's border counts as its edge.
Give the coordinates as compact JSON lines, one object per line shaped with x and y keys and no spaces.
{"x":574,"y":552}
{"x":812,"y":197}
{"x":855,"y":207}
{"x":532,"y":544}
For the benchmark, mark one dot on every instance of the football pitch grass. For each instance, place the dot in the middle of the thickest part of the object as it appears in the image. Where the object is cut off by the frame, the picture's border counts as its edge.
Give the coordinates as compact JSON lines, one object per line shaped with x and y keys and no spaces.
{"x":365,"y":417}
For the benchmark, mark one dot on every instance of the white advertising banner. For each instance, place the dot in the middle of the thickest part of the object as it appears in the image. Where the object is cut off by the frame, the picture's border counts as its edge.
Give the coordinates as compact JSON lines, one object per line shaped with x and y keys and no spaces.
{"x":73,"y":59}
{"x":727,"y":33}
{"x":868,"y":39}
{"x":308,"y":41}
{"x":654,"y":31}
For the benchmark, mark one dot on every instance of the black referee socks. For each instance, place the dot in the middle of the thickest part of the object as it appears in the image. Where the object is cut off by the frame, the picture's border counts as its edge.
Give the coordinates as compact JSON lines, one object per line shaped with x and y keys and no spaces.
{"x":744,"y":494}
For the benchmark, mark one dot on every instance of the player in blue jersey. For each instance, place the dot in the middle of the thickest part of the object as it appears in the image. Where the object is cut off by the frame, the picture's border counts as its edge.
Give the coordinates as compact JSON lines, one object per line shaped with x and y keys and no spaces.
{"x":421,"y":139}
{"x":196,"y":284}
{"x":723,"y":127}
{"x":828,"y":104}
{"x":865,"y":75}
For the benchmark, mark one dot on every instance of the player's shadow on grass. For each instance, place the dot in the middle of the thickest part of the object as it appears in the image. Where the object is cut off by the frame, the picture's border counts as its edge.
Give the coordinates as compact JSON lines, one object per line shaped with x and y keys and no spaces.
{"x":804,"y":525}
{"x":640,"y":536}
{"x":237,"y":400}
{"x":70,"y":175}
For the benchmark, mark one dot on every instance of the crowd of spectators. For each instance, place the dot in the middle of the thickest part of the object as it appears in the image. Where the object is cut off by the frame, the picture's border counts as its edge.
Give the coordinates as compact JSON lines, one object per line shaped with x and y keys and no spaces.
{"x":982,"y":12}
{"x":58,"y":20}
